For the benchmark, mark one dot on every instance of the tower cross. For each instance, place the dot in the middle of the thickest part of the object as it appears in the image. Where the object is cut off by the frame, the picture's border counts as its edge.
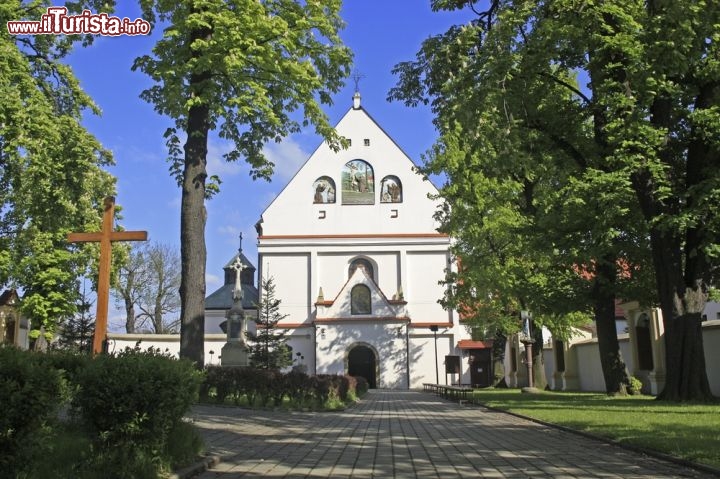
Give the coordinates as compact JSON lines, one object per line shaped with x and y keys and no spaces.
{"x":357,"y":76}
{"x":238,"y":266}
{"x":105,"y":237}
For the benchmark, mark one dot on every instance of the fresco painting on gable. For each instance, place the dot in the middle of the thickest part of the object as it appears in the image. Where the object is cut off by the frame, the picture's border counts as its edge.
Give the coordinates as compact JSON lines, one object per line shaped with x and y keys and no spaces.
{"x":324,"y":190}
{"x":358,"y":183}
{"x":390,"y":190}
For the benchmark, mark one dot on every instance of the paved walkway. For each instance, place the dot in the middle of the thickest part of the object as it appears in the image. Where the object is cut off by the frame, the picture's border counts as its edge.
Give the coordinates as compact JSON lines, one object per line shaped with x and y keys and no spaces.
{"x":410,"y":434}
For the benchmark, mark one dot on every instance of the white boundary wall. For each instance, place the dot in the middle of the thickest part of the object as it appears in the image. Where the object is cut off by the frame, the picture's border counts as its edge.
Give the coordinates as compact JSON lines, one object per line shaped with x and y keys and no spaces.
{"x":585,"y":354}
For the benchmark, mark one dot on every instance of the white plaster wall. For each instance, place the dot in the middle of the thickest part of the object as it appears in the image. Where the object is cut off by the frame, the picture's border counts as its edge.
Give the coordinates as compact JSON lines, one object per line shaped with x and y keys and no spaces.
{"x":424,"y":270}
{"x":213,"y":320}
{"x":167,"y":342}
{"x":711,"y":345}
{"x":302,"y":341}
{"x":590,"y":372}
{"x":292,"y":284}
{"x":332,"y":270}
{"x":335,"y":342}
{"x":293,"y":211}
{"x":422,"y":357}
{"x":712,"y":311}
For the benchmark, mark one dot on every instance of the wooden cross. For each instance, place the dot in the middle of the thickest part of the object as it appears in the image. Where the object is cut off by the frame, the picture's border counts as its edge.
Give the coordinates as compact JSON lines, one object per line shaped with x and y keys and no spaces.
{"x":105,"y":237}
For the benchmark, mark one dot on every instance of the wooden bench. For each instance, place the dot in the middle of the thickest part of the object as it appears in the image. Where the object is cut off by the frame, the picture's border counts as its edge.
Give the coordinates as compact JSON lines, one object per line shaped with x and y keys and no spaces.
{"x":454,"y":393}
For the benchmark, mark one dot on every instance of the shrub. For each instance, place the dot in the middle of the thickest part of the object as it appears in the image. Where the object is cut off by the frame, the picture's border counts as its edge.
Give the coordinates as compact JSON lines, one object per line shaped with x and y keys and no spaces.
{"x":30,"y":395}
{"x":298,"y":386}
{"x":635,"y":386}
{"x":362,"y":386}
{"x":131,"y":402}
{"x":264,"y":387}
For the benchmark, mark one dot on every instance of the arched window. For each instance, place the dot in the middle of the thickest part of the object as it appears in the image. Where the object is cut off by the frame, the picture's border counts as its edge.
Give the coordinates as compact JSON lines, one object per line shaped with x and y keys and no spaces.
{"x":324,"y":190}
{"x":358,"y":183}
{"x":360,"y":300}
{"x":391,"y":190}
{"x":366,"y":264}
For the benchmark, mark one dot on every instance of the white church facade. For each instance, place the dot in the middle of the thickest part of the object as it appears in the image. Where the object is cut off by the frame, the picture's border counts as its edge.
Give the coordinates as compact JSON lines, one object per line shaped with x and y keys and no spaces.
{"x":357,"y":262}
{"x":353,"y":249}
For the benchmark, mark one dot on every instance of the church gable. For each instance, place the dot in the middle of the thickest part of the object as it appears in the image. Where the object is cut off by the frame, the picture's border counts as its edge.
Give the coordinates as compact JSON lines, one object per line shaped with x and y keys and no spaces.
{"x":371,"y":185}
{"x":360,"y":299}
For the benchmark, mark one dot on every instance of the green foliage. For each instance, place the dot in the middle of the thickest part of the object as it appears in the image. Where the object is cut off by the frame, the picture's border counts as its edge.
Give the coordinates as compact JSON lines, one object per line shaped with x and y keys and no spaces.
{"x":361,"y":386}
{"x":255,"y":71}
{"x":29,"y":394}
{"x":259,"y":61}
{"x":132,"y":402}
{"x":268,"y":346}
{"x":77,"y":331}
{"x":582,"y":158}
{"x":635,"y":387}
{"x":268,"y":388}
{"x":51,"y":176}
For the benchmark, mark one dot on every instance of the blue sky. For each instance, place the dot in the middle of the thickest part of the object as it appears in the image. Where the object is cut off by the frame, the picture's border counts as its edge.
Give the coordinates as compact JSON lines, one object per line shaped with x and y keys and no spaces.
{"x":381,"y":33}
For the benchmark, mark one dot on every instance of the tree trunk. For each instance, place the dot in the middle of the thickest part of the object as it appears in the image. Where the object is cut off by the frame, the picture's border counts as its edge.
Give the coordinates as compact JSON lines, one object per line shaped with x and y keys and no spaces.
{"x":538,"y":360}
{"x":192,"y":238}
{"x":129,"y":315}
{"x":193,"y":217}
{"x":158,"y":316}
{"x":498,"y":354}
{"x":613,"y":366}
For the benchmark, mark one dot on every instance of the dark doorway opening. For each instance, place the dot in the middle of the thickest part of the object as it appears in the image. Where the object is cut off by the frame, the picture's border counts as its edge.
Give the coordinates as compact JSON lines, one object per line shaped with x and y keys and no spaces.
{"x":361,"y":362}
{"x":481,"y":367}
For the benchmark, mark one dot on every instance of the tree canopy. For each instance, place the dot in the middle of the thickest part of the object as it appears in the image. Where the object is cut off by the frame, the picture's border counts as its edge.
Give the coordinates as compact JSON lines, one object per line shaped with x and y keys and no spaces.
{"x":51,"y":168}
{"x":587,"y":132}
{"x":254,"y":71}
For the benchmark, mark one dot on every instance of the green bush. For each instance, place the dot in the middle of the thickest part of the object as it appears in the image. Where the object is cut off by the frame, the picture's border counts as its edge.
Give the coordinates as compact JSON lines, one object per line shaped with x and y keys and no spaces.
{"x":69,"y":362}
{"x":361,"y":386}
{"x":262,"y":387}
{"x":131,"y":402}
{"x":30,"y":395}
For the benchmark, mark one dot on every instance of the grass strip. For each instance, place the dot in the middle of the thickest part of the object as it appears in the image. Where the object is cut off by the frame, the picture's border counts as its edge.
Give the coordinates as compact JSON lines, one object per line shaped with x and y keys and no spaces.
{"x":684,"y":430}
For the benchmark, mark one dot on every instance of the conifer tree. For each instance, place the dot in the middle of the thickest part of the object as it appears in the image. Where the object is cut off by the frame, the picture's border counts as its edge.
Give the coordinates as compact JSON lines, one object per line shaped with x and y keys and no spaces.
{"x":78,"y":330}
{"x":268,"y":346}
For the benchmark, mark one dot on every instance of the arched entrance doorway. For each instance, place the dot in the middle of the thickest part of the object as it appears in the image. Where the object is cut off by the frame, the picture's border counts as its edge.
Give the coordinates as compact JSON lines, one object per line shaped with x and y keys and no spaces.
{"x":361,"y":362}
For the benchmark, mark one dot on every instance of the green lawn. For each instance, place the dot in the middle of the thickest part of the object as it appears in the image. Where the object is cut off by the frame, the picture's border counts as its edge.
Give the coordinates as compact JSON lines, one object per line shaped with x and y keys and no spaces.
{"x":687,"y":431}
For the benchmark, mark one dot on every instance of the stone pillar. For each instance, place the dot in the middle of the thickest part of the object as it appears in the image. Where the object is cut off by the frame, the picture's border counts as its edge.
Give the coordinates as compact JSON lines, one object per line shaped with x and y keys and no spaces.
{"x":235,"y":351}
{"x":654,"y":380}
{"x":657,"y":338}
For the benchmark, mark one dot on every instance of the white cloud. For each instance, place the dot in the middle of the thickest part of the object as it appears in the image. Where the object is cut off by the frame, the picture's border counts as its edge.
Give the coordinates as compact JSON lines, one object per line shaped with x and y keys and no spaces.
{"x":229,"y":230}
{"x":216,"y":164}
{"x":288,"y":156}
{"x":212,"y":280}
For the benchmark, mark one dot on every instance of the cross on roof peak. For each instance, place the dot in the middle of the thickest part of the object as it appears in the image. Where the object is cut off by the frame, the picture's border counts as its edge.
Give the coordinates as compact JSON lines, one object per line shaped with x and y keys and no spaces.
{"x":357,"y":76}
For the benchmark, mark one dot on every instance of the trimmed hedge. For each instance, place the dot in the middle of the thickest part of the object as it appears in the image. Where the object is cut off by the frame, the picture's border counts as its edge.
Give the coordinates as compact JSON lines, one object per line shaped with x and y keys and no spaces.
{"x":131,"y":403}
{"x":30,"y":396}
{"x":261,"y":387}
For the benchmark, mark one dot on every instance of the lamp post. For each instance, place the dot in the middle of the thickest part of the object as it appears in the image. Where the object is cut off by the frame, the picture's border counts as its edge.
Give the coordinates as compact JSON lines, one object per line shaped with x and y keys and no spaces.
{"x":434,"y":329}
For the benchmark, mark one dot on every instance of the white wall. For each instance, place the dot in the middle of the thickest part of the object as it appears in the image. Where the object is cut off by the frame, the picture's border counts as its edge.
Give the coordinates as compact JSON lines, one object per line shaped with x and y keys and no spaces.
{"x":290,"y":272}
{"x":711,"y":345}
{"x":590,"y":376}
{"x":334,"y":342}
{"x":294,"y":213}
{"x":424,"y":270}
{"x":166,"y":342}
